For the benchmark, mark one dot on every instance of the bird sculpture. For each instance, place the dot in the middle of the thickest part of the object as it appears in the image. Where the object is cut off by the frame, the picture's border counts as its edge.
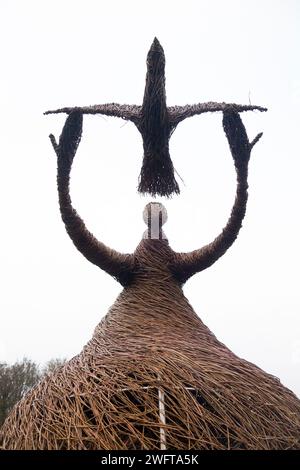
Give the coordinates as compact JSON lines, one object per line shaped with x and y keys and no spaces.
{"x":156,"y":122}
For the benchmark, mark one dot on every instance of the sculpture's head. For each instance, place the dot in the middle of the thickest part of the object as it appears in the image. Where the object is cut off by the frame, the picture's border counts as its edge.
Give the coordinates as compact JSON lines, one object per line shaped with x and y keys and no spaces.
{"x":155,"y":215}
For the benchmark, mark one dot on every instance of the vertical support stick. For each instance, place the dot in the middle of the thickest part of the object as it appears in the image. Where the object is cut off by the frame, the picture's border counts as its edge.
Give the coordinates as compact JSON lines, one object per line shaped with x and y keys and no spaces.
{"x":162,"y":416}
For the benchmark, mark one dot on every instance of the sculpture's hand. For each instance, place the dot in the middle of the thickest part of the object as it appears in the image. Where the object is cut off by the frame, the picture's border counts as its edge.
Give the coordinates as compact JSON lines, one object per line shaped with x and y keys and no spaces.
{"x":237,"y":138}
{"x":69,"y":139}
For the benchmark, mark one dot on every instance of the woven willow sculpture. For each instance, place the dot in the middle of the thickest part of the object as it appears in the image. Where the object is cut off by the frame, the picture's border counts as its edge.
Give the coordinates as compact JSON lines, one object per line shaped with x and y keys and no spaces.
{"x":153,"y":376}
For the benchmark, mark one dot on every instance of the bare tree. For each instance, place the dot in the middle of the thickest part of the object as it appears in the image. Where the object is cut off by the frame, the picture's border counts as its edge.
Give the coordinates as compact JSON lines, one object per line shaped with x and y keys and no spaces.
{"x":15,"y":381}
{"x":53,"y":365}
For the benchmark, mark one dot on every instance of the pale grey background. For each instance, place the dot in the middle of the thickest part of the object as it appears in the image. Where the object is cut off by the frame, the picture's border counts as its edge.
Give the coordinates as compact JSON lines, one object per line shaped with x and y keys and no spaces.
{"x":56,"y":53}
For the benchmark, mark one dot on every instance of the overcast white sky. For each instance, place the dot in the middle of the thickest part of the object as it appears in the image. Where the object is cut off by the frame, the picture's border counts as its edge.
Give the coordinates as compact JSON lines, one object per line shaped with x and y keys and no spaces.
{"x":58,"y":53}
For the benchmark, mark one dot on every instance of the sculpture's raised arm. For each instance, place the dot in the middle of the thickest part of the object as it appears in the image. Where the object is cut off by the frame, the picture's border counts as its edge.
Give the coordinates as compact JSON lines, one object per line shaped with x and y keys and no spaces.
{"x":118,"y":265}
{"x":188,"y":264}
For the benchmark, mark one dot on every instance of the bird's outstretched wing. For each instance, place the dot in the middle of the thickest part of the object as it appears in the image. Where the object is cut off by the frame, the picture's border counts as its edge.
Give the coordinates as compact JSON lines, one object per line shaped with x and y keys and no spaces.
{"x":179,"y":113}
{"x":124,"y":111}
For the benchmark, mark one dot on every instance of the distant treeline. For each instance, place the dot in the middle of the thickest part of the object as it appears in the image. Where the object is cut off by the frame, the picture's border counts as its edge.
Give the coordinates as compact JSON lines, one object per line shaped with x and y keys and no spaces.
{"x":16,"y":379}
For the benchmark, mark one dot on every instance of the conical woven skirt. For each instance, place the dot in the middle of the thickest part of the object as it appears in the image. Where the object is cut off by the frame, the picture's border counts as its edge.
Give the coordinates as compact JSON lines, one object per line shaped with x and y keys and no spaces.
{"x":154,"y":377}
